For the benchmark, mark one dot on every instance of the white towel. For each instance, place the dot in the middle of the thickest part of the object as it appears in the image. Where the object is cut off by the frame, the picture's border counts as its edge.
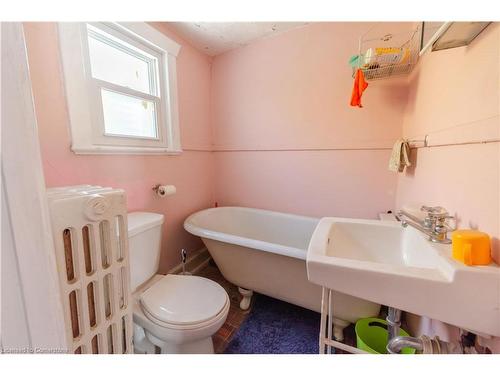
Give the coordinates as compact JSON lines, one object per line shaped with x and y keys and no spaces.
{"x":400,"y":156}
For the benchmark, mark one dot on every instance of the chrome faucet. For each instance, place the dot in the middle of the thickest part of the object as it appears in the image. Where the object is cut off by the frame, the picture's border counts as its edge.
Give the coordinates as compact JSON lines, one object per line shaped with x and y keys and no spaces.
{"x":435,"y":224}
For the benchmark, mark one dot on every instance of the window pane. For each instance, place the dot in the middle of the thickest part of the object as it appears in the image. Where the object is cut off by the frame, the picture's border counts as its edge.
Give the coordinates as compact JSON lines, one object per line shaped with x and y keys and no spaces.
{"x":128,"y":116}
{"x":118,"y":62}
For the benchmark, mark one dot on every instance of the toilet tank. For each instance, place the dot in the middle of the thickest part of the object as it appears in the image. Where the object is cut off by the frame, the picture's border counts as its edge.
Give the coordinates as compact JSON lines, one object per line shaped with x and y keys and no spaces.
{"x":144,"y":238}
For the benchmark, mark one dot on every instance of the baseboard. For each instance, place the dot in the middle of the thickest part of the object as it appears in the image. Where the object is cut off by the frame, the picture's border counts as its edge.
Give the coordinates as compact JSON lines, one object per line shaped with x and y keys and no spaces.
{"x":195,"y":262}
{"x":201,"y":266}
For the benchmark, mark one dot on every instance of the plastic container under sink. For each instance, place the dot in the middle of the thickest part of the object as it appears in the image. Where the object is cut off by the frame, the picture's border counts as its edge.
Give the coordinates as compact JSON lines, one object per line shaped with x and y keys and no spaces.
{"x":372,"y":335}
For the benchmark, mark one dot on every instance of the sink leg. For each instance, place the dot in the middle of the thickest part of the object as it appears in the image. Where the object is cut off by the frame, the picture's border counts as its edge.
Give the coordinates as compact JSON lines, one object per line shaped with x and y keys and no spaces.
{"x":327,"y":322}
{"x":247,"y":298}
{"x":331,"y":328}
{"x":338,"y":328}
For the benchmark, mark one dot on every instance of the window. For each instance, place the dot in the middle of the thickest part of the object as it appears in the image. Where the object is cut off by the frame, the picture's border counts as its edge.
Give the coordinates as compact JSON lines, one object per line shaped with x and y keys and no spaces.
{"x":121,"y":88}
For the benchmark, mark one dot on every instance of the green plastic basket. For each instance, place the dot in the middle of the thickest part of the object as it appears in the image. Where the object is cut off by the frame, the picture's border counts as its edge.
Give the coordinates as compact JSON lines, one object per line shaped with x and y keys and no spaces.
{"x":372,"y":335}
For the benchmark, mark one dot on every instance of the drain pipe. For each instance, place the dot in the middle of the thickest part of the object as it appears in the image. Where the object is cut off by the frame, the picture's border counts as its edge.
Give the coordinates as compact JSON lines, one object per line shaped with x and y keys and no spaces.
{"x":424,"y":345}
{"x":393,"y":322}
{"x":396,"y":344}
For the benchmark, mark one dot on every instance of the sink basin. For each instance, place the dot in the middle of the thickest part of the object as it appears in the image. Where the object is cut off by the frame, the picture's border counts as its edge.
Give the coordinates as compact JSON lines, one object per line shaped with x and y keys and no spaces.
{"x":383,"y":262}
{"x":379,"y":243}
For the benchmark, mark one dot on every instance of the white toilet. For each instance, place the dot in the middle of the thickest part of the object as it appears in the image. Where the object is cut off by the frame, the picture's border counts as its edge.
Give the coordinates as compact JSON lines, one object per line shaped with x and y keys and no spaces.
{"x":176,"y":313}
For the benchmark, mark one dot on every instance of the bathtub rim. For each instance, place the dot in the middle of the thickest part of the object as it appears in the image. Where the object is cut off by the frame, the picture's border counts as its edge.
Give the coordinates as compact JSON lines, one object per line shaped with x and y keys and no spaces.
{"x":246,"y":241}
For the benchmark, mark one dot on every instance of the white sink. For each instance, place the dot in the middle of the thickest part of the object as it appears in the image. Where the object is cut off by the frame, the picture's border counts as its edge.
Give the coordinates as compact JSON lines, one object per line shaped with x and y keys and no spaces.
{"x":385,"y":263}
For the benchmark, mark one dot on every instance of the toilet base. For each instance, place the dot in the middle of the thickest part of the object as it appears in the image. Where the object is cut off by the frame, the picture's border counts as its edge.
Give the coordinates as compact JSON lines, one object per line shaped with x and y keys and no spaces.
{"x":153,"y":336}
{"x":141,"y":343}
{"x":203,"y":346}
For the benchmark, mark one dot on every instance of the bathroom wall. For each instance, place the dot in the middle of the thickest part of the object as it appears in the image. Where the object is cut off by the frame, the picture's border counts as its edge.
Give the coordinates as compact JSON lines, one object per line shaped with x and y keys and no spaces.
{"x":191,"y":172}
{"x":454,"y":98}
{"x":285,"y":137}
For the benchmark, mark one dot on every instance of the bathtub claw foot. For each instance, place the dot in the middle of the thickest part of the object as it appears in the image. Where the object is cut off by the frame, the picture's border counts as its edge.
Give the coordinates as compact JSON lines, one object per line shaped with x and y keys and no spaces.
{"x":247,"y":298}
{"x":338,"y":328}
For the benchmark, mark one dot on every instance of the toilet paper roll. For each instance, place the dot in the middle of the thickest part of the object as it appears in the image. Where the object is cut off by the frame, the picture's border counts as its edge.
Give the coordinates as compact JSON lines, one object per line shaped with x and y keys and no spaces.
{"x":164,"y":190}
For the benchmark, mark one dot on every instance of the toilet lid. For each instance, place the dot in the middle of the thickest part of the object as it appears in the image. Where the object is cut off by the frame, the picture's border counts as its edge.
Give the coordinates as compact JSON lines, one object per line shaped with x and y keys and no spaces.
{"x":183,"y":300}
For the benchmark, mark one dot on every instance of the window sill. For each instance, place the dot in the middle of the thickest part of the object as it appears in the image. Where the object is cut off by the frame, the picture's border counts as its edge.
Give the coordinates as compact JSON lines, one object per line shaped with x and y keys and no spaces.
{"x":124,"y":150}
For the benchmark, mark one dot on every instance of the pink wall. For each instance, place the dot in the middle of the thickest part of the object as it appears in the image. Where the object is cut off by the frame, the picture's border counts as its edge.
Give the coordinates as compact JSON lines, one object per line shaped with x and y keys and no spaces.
{"x":278,"y":101}
{"x":453,"y":98}
{"x":285,"y":137}
{"x":191,"y":172}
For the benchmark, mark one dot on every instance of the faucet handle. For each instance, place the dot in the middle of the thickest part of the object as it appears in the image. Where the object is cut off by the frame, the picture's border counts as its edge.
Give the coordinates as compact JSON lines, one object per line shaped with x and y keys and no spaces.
{"x":442,"y":226}
{"x":454,"y":219}
{"x":436,"y":211}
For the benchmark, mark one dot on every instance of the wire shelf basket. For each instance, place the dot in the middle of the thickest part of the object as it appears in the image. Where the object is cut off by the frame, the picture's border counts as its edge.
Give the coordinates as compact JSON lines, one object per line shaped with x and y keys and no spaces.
{"x":388,"y":55}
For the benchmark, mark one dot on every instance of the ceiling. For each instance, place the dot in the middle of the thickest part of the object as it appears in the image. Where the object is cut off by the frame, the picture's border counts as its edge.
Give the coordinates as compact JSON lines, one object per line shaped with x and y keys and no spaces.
{"x":214,"y":38}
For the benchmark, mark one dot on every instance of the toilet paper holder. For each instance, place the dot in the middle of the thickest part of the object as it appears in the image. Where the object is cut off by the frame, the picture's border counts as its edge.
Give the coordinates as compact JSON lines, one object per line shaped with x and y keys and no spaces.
{"x":164,"y":190}
{"x":156,"y":188}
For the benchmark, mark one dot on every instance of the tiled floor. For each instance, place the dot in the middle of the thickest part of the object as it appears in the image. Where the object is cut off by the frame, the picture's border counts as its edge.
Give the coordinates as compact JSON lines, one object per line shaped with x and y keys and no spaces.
{"x":236,"y":316}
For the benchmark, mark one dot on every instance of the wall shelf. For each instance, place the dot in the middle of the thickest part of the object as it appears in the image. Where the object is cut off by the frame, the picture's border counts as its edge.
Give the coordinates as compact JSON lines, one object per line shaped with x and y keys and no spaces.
{"x":387,"y":55}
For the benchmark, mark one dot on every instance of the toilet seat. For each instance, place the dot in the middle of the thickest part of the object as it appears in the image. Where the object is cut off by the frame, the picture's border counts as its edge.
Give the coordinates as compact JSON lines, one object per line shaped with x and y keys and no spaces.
{"x":184,"y":302}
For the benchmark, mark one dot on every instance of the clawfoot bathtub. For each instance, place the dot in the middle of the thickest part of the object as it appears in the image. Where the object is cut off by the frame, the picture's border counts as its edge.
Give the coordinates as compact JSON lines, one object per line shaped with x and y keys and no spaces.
{"x":265,"y":251}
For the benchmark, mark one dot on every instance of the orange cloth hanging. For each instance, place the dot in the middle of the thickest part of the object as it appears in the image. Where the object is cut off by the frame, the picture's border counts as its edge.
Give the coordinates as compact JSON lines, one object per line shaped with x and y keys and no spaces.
{"x":360,"y":85}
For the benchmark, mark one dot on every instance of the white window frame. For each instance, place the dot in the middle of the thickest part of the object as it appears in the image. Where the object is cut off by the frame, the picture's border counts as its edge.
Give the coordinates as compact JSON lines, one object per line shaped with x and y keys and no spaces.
{"x":83,"y":92}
